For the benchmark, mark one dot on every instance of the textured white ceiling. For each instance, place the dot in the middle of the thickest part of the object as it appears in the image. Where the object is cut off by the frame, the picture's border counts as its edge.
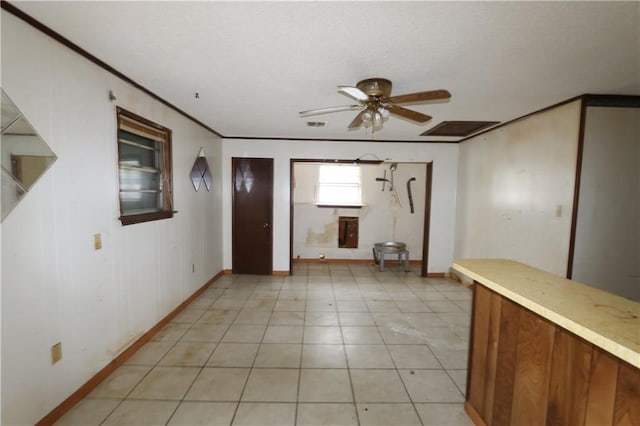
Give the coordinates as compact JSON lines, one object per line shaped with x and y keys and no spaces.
{"x":256,"y":64}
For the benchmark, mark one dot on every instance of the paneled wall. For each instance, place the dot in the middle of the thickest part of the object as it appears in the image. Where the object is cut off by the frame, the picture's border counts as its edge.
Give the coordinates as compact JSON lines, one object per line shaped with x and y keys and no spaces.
{"x":607,"y":247}
{"x":516,"y":188}
{"x":55,"y":286}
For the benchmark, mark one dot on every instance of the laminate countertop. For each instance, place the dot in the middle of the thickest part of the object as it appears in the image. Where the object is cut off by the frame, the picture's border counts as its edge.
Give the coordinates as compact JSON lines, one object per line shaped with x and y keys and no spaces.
{"x":608,"y":321}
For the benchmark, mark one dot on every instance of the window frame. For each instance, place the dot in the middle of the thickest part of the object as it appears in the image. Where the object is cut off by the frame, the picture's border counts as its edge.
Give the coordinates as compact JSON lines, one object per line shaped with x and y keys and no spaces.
{"x":333,"y":203}
{"x":161,"y":135}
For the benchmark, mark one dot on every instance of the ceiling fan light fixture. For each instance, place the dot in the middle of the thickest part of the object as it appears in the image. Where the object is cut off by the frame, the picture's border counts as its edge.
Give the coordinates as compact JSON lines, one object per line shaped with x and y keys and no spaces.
{"x":375,"y":87}
{"x":376,"y":104}
{"x":377,"y":121}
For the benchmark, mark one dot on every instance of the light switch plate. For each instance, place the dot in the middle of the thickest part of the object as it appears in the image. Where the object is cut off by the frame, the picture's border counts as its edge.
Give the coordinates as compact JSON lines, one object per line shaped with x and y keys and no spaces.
{"x":97,"y":241}
{"x":56,"y":352}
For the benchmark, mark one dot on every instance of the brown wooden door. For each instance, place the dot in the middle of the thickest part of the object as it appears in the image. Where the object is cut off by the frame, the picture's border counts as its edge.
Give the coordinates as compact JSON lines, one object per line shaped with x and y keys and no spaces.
{"x":252,"y":216}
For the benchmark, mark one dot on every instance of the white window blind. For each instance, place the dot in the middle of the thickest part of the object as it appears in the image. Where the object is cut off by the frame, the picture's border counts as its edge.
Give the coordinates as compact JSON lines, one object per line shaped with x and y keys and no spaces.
{"x":144,"y":160}
{"x":339,"y":185}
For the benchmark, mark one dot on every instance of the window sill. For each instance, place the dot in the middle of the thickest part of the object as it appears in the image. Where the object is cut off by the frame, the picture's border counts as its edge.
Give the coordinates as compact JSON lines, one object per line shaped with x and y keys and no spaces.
{"x":340,"y":206}
{"x":145,"y":217}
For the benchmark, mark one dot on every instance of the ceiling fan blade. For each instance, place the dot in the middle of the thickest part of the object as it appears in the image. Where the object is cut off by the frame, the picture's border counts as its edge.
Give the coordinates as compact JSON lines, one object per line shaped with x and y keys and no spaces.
{"x":353,"y":92}
{"x":357,"y":122}
{"x":420,"y":96}
{"x":408,"y":113}
{"x":328,"y":110}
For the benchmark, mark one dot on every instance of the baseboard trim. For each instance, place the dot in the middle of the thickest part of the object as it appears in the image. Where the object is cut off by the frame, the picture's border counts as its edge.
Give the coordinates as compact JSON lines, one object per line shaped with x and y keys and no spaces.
{"x":416,"y":262}
{"x":436,"y":274}
{"x":316,"y":260}
{"x":273,"y":273}
{"x":390,"y":262}
{"x":464,"y":280}
{"x":91,"y":384}
{"x":473,"y":414}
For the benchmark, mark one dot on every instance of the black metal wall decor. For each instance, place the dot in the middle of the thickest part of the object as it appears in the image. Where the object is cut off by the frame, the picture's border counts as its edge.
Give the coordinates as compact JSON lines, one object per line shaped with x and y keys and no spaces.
{"x":200,"y":172}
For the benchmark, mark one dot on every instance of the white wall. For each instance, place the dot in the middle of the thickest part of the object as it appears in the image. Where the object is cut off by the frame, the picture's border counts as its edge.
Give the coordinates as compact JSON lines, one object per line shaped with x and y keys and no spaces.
{"x":385,"y":216}
{"x":55,"y":287}
{"x":443,"y":201}
{"x":607,"y":246}
{"x":516,"y":188}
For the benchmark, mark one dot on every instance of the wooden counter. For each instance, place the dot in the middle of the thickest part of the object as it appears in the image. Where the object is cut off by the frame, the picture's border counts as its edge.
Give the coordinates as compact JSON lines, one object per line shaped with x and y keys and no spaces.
{"x":547,"y":350}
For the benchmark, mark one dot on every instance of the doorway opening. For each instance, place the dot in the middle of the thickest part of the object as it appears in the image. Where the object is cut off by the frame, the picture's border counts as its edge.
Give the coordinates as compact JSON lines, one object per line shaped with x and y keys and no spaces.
{"x":395,"y":206}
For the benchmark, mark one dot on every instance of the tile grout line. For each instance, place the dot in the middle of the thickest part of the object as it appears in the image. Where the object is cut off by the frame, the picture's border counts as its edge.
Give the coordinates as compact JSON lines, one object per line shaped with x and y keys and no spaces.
{"x":251,"y":369}
{"x":404,"y":385}
{"x":173,"y":413}
{"x":304,"y":320}
{"x":353,"y":392}
{"x":157,"y":364}
{"x":372,"y":288}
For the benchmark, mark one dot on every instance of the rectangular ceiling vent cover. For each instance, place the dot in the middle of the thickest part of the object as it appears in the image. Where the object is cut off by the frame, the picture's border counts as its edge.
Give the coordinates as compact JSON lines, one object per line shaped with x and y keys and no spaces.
{"x":458,"y":128}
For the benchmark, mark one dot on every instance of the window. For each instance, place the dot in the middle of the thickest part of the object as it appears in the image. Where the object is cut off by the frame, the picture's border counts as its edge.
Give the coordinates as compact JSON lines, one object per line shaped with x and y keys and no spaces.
{"x":339,"y":185}
{"x":144,"y":162}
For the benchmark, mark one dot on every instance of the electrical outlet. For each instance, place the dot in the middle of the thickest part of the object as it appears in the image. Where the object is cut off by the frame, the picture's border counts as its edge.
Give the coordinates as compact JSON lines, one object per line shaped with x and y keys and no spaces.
{"x":56,"y":352}
{"x":97,"y":241}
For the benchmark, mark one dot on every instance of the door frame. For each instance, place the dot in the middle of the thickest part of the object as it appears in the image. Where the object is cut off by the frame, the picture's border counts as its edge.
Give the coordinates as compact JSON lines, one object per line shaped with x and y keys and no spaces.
{"x":427,"y":205}
{"x":233,"y":215}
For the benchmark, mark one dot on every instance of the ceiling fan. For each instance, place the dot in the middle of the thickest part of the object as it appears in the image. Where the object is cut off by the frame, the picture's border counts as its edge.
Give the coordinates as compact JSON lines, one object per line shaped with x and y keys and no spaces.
{"x":375,"y":103}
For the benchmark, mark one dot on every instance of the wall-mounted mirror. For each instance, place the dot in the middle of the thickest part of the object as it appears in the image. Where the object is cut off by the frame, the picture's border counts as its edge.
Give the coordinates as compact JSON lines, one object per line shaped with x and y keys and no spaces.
{"x":25,"y":156}
{"x":200,"y":172}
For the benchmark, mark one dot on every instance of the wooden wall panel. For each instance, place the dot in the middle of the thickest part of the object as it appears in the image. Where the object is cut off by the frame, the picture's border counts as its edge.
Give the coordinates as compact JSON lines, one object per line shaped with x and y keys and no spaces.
{"x":533,"y":366}
{"x":525,"y":370}
{"x":479,"y":343}
{"x":568,"y":389}
{"x":627,"y":402}
{"x":492,"y":357}
{"x":506,"y":362}
{"x":602,"y":389}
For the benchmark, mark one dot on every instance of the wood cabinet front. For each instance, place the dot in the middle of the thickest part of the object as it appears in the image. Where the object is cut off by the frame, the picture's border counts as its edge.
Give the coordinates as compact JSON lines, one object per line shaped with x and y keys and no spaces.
{"x":526,"y":370}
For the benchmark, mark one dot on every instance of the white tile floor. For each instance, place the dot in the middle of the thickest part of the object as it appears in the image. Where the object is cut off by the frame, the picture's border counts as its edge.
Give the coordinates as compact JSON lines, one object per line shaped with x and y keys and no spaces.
{"x":333,"y":344}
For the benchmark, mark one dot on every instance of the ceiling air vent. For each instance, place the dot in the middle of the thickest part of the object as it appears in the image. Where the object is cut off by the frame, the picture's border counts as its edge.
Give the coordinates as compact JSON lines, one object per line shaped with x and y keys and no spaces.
{"x":316,"y":123}
{"x":458,"y":128}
